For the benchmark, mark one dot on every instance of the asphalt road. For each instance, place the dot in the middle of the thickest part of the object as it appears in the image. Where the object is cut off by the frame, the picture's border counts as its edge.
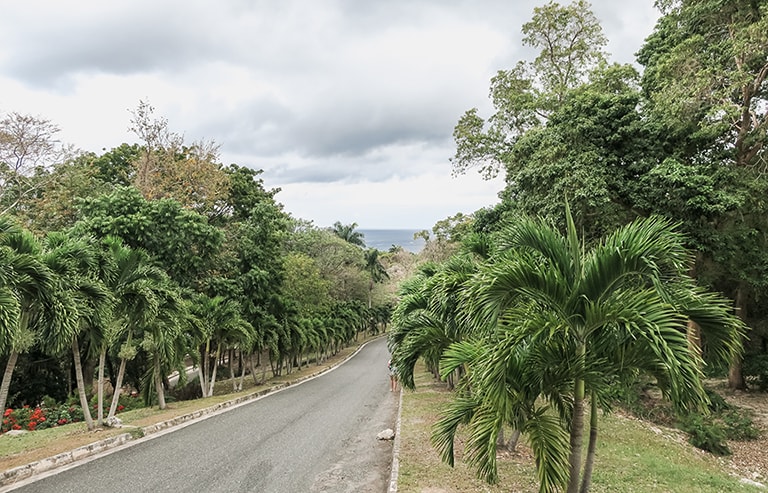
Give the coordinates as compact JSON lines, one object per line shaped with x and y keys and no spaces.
{"x":318,"y":436}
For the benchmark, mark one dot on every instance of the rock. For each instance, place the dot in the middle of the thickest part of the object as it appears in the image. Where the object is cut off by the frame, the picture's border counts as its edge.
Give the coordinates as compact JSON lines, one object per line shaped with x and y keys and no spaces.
{"x":13,"y":433}
{"x":114,"y":422}
{"x":387,"y":434}
{"x":752,"y":483}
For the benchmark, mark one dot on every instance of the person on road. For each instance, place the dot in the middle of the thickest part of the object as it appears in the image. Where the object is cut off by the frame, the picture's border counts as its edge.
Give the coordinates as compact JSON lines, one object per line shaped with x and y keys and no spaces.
{"x":392,"y":377}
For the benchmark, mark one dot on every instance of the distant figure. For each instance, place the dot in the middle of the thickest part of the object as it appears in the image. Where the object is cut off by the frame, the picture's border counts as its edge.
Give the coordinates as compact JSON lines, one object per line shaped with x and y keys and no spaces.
{"x":392,"y":376}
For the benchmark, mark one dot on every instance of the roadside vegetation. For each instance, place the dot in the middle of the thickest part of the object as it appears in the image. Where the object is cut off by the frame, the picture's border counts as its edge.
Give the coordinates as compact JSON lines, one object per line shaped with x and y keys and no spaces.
{"x":633,"y":455}
{"x":625,"y":263}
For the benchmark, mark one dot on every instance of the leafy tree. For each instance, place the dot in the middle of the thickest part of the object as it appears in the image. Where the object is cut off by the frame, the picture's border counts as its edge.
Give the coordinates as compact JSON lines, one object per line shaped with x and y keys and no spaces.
{"x":180,"y":240}
{"x":705,"y":81}
{"x":58,"y":192}
{"x":304,"y":285}
{"x":340,"y":262}
{"x":570,"y":41}
{"x":555,"y":324}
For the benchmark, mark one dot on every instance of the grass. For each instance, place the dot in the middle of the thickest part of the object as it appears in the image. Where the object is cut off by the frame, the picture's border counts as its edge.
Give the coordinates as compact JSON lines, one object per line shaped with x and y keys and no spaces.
{"x":30,"y":447}
{"x":632,"y":456}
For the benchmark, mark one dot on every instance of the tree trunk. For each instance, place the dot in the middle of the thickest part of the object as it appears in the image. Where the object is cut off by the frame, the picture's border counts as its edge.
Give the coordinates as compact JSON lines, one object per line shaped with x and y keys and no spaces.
{"x":6,"y":385}
{"x":118,"y":389}
{"x":203,"y":370}
{"x":232,"y":371}
{"x":735,"y":374}
{"x":100,"y":386}
{"x":577,"y":429}
{"x":242,"y":374}
{"x":81,"y":385}
{"x":159,"y":383}
{"x":213,"y":373}
{"x":589,"y":463}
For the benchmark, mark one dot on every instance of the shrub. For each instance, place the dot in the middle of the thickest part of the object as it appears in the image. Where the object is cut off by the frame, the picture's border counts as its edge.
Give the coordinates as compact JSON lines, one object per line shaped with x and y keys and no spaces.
{"x":755,"y":371}
{"x":705,"y":434}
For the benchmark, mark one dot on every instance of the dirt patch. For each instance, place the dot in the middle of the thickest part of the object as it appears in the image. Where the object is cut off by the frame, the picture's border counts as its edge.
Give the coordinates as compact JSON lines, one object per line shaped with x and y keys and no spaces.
{"x":749,"y":458}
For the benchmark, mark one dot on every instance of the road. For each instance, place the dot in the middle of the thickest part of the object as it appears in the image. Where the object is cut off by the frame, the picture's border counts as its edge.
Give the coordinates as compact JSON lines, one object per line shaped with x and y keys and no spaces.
{"x":318,"y":436}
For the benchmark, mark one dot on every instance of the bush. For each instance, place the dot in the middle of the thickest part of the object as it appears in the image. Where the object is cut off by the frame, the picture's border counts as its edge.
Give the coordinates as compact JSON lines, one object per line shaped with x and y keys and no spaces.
{"x":705,"y":434}
{"x":755,"y":370}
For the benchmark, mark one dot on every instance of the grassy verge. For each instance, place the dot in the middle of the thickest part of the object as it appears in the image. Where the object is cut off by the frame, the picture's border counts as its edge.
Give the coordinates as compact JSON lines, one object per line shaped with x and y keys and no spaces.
{"x":30,"y":447}
{"x":632,"y":456}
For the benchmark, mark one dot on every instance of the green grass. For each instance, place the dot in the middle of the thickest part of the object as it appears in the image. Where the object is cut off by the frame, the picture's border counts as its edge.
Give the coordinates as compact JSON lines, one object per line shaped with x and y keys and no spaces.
{"x":632,"y":456}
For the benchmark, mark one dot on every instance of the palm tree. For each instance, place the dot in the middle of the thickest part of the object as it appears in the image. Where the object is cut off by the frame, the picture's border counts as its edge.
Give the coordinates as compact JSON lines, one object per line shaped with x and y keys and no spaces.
{"x":136,"y":285}
{"x":30,"y":306}
{"x":221,"y":324}
{"x":348,"y":233}
{"x":555,"y":324}
{"x":76,"y":265}
{"x":375,"y":269}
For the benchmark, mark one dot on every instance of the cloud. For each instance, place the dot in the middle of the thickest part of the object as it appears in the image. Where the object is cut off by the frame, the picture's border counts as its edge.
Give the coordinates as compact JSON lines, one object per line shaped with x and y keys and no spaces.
{"x":342,"y":95}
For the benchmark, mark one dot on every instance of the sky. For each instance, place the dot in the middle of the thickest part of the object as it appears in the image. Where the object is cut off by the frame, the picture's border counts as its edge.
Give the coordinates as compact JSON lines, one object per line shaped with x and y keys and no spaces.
{"x":348,"y":106}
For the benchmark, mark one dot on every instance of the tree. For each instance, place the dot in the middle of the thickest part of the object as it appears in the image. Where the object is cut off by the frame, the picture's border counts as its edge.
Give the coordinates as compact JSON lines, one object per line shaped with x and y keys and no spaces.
{"x":348,"y":233}
{"x":27,"y":145}
{"x":570,"y":41}
{"x":167,"y":168}
{"x":137,"y":286}
{"x":221,"y":325}
{"x":33,"y":287}
{"x":375,"y":269}
{"x":182,"y":241}
{"x":705,"y":80}
{"x":555,"y":324}
{"x":75,"y":264}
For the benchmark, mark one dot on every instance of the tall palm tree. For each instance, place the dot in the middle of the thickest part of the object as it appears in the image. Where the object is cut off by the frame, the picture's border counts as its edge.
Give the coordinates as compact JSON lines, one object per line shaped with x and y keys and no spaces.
{"x":136,"y":285}
{"x":29,"y":289}
{"x":76,"y":265}
{"x":555,"y":324}
{"x":375,"y":269}
{"x":348,"y":233}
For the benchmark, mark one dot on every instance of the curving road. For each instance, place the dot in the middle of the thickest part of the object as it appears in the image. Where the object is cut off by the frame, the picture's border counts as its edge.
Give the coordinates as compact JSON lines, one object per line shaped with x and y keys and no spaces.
{"x":318,"y":436}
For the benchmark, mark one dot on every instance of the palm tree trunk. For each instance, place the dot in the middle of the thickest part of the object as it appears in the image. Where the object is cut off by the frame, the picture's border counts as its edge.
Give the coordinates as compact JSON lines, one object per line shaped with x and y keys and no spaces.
{"x":589,"y":463}
{"x":100,"y":386}
{"x":735,"y":374}
{"x":118,"y":389}
{"x":213,"y":373}
{"x":577,"y":428}
{"x":6,"y":385}
{"x":81,"y":384}
{"x":232,"y":371}
{"x":159,"y":383}
{"x":203,"y":370}
{"x":577,"y":432}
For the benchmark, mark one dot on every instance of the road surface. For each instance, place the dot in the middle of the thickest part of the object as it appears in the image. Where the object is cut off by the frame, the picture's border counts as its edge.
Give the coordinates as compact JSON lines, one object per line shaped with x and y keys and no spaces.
{"x":318,"y":436}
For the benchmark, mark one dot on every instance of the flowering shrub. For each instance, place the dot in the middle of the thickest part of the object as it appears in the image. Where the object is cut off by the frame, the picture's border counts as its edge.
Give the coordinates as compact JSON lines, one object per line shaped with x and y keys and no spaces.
{"x":39,"y":418}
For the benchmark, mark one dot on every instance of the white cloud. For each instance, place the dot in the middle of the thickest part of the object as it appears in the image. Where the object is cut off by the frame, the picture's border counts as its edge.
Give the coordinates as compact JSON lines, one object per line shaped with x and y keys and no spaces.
{"x":347,"y":105}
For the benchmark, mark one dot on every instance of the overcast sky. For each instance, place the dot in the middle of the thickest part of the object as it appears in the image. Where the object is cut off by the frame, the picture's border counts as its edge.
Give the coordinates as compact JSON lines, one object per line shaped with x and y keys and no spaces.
{"x":347,"y":105}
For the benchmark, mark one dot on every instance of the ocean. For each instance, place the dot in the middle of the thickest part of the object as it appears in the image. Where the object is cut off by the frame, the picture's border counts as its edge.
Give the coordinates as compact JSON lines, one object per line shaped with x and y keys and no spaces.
{"x":383,"y":239}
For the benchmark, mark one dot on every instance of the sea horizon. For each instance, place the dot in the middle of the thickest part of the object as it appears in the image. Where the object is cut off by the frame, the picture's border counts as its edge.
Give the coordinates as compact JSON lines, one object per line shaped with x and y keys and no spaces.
{"x":383,"y":239}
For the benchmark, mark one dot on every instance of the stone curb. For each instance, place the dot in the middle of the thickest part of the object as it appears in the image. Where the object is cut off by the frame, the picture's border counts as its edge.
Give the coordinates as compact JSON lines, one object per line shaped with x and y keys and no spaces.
{"x":395,"y":470}
{"x":27,"y":471}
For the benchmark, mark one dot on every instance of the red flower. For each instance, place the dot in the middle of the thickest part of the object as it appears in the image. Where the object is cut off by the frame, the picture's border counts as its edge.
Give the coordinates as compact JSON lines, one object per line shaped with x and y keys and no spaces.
{"x":16,"y":427}
{"x":7,"y":412}
{"x":120,"y":407}
{"x":62,"y":421}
